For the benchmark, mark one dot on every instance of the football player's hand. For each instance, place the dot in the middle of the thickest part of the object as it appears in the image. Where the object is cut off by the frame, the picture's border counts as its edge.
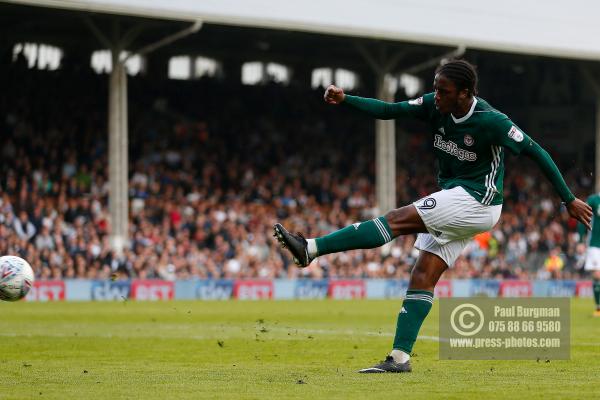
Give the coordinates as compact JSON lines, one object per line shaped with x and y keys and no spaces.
{"x":334,"y":95}
{"x":581,"y":211}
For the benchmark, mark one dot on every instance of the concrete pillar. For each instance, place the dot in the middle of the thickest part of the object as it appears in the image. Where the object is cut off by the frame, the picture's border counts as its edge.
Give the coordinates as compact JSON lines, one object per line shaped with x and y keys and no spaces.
{"x":118,"y":155}
{"x":385,"y":148}
{"x":118,"y":142}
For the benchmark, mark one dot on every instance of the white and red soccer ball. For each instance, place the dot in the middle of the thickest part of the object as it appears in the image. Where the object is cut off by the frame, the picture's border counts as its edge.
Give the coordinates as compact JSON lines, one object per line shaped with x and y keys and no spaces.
{"x":16,"y":278}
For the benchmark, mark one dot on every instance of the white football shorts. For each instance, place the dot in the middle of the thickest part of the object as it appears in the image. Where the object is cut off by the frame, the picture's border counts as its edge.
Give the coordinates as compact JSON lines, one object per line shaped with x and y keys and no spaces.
{"x":592,"y":259}
{"x":452,"y":217}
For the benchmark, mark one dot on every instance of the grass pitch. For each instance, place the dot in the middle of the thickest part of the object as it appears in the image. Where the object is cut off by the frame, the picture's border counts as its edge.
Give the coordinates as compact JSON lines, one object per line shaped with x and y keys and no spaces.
{"x":260,"y":350}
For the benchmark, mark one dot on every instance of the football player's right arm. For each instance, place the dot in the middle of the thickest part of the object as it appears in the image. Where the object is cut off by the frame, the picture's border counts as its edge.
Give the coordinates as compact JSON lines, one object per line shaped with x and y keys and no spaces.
{"x":380,"y":109}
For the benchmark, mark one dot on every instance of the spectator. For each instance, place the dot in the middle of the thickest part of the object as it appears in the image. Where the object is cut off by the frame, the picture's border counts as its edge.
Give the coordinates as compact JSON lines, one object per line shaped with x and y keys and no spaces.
{"x":206,"y":187}
{"x":24,"y":228}
{"x":554,"y":263}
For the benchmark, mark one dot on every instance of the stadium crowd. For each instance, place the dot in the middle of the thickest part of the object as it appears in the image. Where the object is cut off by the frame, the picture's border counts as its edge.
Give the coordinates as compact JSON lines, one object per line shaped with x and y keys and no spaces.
{"x":213,"y":166}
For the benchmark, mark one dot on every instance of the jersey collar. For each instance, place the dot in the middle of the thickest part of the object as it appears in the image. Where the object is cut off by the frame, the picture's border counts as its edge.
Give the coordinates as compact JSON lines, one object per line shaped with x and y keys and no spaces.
{"x":467,"y":115}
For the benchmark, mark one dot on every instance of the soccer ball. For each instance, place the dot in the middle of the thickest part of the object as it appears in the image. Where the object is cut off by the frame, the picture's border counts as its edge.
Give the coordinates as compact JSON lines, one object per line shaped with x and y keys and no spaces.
{"x":16,"y":278}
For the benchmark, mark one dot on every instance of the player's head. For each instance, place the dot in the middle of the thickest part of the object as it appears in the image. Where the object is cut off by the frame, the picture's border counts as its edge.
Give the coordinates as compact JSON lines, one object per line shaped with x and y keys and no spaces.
{"x":455,"y":83}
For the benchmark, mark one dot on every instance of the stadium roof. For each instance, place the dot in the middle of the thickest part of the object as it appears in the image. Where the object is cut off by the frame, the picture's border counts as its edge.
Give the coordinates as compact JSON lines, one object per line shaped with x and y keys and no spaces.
{"x":554,"y":28}
{"x":68,"y":29}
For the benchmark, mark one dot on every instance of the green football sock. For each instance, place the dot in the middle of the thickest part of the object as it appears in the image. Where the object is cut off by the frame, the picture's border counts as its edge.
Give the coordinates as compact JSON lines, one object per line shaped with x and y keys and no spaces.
{"x":415,"y":308}
{"x":596,"y":287}
{"x":361,"y":235}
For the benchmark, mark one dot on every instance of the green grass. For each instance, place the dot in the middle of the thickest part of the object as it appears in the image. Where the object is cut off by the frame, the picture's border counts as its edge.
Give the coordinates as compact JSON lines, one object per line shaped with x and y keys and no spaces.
{"x":259,"y":350}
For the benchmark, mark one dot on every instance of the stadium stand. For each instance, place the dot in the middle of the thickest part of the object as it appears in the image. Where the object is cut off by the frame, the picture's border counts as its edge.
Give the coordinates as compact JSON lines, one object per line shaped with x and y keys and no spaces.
{"x":212,"y":166}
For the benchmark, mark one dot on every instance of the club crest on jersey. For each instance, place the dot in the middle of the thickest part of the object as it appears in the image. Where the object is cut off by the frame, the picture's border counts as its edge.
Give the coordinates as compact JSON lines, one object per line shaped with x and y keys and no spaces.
{"x":416,"y":102}
{"x":469,"y":140}
{"x":515,"y":134}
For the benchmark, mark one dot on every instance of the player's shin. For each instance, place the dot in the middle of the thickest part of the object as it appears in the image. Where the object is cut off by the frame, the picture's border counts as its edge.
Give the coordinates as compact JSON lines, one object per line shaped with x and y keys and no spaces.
{"x":414,"y":310}
{"x":361,"y":235}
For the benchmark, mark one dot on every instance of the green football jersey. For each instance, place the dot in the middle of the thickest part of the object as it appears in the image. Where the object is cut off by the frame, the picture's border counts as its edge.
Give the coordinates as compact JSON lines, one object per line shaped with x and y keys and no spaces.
{"x":470,"y":149}
{"x":593,"y":237}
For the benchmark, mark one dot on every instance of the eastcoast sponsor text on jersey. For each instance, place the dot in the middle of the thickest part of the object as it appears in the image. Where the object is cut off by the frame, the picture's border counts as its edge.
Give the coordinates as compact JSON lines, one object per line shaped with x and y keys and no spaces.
{"x":452,"y":148}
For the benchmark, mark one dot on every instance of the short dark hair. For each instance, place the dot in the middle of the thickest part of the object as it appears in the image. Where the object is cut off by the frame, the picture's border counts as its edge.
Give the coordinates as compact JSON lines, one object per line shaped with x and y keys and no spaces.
{"x":462,"y":73}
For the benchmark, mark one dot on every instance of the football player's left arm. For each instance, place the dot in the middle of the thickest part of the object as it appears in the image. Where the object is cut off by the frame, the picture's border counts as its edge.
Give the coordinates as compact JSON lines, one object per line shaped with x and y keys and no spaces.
{"x":511,"y":136}
{"x":577,"y":208}
{"x":581,"y":229}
